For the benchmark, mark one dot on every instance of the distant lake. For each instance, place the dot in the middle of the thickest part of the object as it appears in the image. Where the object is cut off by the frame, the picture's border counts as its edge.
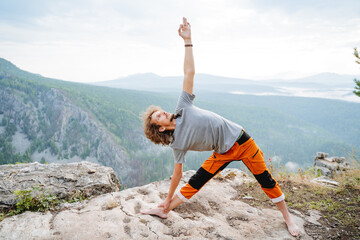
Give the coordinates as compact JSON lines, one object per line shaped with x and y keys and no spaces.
{"x":345,"y":94}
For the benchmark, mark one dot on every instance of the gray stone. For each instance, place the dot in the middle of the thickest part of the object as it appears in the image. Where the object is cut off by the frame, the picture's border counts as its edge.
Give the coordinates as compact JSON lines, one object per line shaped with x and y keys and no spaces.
{"x":339,"y":159}
{"x":210,"y":214}
{"x":321,"y":155}
{"x":324,"y":171}
{"x":330,"y":165}
{"x":60,"y":179}
{"x":326,"y":181}
{"x":314,"y":216}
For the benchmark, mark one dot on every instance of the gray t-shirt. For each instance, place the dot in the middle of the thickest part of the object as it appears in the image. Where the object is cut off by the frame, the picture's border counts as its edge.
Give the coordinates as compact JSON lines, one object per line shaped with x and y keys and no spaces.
{"x":201,"y":130}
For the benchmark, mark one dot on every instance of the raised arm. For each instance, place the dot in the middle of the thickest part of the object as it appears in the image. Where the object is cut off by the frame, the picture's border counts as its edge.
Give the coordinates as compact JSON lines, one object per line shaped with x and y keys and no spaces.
{"x":189,"y":68}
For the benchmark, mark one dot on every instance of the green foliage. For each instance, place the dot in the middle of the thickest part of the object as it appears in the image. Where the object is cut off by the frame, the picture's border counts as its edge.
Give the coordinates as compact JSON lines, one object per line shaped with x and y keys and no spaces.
{"x":85,"y":153}
{"x":77,"y":196}
{"x":3,"y":122}
{"x":357,"y":87}
{"x":39,"y":199}
{"x":357,"y":82}
{"x":53,"y":148}
{"x":324,"y":205}
{"x":10,"y":129}
{"x":73,"y":152}
{"x":8,"y":154}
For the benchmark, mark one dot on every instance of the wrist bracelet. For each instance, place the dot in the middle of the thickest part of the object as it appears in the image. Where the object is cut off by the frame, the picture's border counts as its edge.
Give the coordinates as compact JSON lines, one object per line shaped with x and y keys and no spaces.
{"x":188,"y":45}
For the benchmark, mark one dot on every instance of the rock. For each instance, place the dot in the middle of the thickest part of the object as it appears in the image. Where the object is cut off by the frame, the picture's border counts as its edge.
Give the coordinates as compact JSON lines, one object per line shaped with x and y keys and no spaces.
{"x":330,"y":166}
{"x":314,"y":216}
{"x":248,"y":197}
{"x":326,"y":181}
{"x":324,"y":171}
{"x":110,"y":203}
{"x":339,"y":159}
{"x":210,"y":214}
{"x":321,"y":155}
{"x":60,"y":179}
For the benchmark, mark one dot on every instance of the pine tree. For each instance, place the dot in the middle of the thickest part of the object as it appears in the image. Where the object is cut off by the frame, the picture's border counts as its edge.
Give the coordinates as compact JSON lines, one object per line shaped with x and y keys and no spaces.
{"x":357,"y":82}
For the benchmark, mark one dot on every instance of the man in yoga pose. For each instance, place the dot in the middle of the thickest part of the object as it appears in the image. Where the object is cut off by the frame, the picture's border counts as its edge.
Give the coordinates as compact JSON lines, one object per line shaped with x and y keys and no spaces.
{"x":195,"y":129}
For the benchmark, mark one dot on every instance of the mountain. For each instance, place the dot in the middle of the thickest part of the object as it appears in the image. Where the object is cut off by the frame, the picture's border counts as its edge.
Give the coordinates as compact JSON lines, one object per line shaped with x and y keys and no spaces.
{"x":205,"y":82}
{"x":49,"y":120}
{"x":323,"y":85}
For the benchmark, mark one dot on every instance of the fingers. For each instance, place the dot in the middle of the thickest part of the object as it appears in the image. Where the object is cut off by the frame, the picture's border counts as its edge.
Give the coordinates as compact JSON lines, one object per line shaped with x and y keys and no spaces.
{"x":165,"y":209}
{"x":181,"y":28}
{"x":185,"y":23}
{"x":185,"y":26}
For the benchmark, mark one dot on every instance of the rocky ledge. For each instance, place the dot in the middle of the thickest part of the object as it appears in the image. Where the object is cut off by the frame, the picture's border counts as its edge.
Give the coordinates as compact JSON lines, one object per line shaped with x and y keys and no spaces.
{"x":214,"y":213}
{"x":61,"y":180}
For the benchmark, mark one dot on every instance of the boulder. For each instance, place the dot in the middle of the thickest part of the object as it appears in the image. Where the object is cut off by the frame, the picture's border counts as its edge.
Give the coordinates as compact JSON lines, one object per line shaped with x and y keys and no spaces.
{"x":324,"y":171}
{"x":216,"y":212}
{"x":325,"y":181}
{"x":59,"y":179}
{"x":330,"y":165}
{"x":321,"y":155}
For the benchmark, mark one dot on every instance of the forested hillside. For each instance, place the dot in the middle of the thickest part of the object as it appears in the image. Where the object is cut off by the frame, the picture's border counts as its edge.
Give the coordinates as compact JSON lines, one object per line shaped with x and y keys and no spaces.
{"x":51,"y":120}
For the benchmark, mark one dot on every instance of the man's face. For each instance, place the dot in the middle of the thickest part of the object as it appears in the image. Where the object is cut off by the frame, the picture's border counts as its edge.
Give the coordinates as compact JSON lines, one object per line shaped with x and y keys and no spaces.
{"x":162,"y":118}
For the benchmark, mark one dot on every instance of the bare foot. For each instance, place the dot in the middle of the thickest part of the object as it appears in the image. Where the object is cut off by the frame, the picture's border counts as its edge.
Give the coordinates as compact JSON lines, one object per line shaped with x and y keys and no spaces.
{"x":155,"y":211}
{"x":293,"y":229}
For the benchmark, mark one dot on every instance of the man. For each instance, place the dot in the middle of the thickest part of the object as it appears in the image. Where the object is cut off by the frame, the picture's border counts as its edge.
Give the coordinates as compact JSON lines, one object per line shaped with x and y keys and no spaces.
{"x":195,"y":129}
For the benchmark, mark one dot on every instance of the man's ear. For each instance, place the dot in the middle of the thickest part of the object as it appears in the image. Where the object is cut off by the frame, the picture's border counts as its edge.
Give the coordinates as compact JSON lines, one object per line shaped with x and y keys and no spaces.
{"x":161,"y":129}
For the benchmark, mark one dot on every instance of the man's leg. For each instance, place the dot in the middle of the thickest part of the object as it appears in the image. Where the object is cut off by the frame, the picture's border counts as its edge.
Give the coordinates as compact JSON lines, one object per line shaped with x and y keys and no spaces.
{"x":254,"y":160}
{"x":207,"y":171}
{"x":293,"y":229}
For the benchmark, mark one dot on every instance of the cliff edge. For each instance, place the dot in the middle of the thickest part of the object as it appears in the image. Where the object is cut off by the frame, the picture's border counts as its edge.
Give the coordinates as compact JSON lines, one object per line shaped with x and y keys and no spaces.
{"x":216,"y":212}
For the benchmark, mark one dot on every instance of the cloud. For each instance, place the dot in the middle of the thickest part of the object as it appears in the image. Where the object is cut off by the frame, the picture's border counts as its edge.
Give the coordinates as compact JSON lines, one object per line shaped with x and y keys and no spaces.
{"x":291,"y":166}
{"x":231,"y":38}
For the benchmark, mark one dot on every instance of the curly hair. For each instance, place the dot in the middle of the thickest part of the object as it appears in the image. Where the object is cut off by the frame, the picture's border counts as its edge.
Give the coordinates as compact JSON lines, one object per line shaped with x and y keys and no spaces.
{"x":151,"y":130}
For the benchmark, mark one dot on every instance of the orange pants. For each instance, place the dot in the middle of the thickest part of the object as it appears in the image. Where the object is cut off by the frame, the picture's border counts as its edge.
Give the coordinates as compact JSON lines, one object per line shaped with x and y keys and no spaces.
{"x":244,"y":150}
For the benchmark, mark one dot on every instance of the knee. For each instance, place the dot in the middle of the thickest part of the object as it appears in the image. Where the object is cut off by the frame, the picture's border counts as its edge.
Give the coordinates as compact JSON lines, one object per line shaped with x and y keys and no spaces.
{"x":200,"y":178}
{"x":265,"y":179}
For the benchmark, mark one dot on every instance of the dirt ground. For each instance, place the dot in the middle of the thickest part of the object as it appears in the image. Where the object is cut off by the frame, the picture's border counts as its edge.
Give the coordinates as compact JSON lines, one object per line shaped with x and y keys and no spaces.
{"x":339,"y":207}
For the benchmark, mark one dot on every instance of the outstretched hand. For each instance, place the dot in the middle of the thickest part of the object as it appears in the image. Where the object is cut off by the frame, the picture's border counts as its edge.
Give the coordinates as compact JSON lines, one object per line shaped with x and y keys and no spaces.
{"x":185,"y":29}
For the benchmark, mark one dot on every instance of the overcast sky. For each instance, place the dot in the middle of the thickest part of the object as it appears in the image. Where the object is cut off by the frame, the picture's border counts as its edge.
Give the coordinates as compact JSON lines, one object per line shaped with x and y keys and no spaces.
{"x":99,"y":40}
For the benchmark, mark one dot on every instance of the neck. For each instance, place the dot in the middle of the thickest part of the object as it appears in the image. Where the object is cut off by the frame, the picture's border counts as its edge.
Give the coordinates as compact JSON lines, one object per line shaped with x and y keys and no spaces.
{"x":172,"y":125}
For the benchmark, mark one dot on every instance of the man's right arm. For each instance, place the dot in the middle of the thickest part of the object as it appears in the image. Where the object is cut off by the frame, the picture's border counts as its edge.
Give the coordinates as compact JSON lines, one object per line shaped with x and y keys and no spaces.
{"x":175,"y":179}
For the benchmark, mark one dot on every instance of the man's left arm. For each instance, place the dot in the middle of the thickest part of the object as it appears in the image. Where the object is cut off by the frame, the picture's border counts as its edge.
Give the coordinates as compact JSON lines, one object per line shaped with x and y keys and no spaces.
{"x":189,"y":67}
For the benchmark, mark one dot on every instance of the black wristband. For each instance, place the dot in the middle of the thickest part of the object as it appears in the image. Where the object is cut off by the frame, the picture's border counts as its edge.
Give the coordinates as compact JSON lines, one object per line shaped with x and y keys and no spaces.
{"x":188,"y":45}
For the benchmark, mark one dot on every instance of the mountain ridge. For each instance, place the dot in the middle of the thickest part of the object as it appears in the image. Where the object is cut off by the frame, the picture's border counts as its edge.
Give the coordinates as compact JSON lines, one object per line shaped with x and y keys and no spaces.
{"x":290,"y":129}
{"x":322,"y":85}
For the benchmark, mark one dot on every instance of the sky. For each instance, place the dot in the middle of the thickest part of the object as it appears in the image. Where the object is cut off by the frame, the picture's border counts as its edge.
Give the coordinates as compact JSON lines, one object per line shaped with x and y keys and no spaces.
{"x":98,"y":40}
